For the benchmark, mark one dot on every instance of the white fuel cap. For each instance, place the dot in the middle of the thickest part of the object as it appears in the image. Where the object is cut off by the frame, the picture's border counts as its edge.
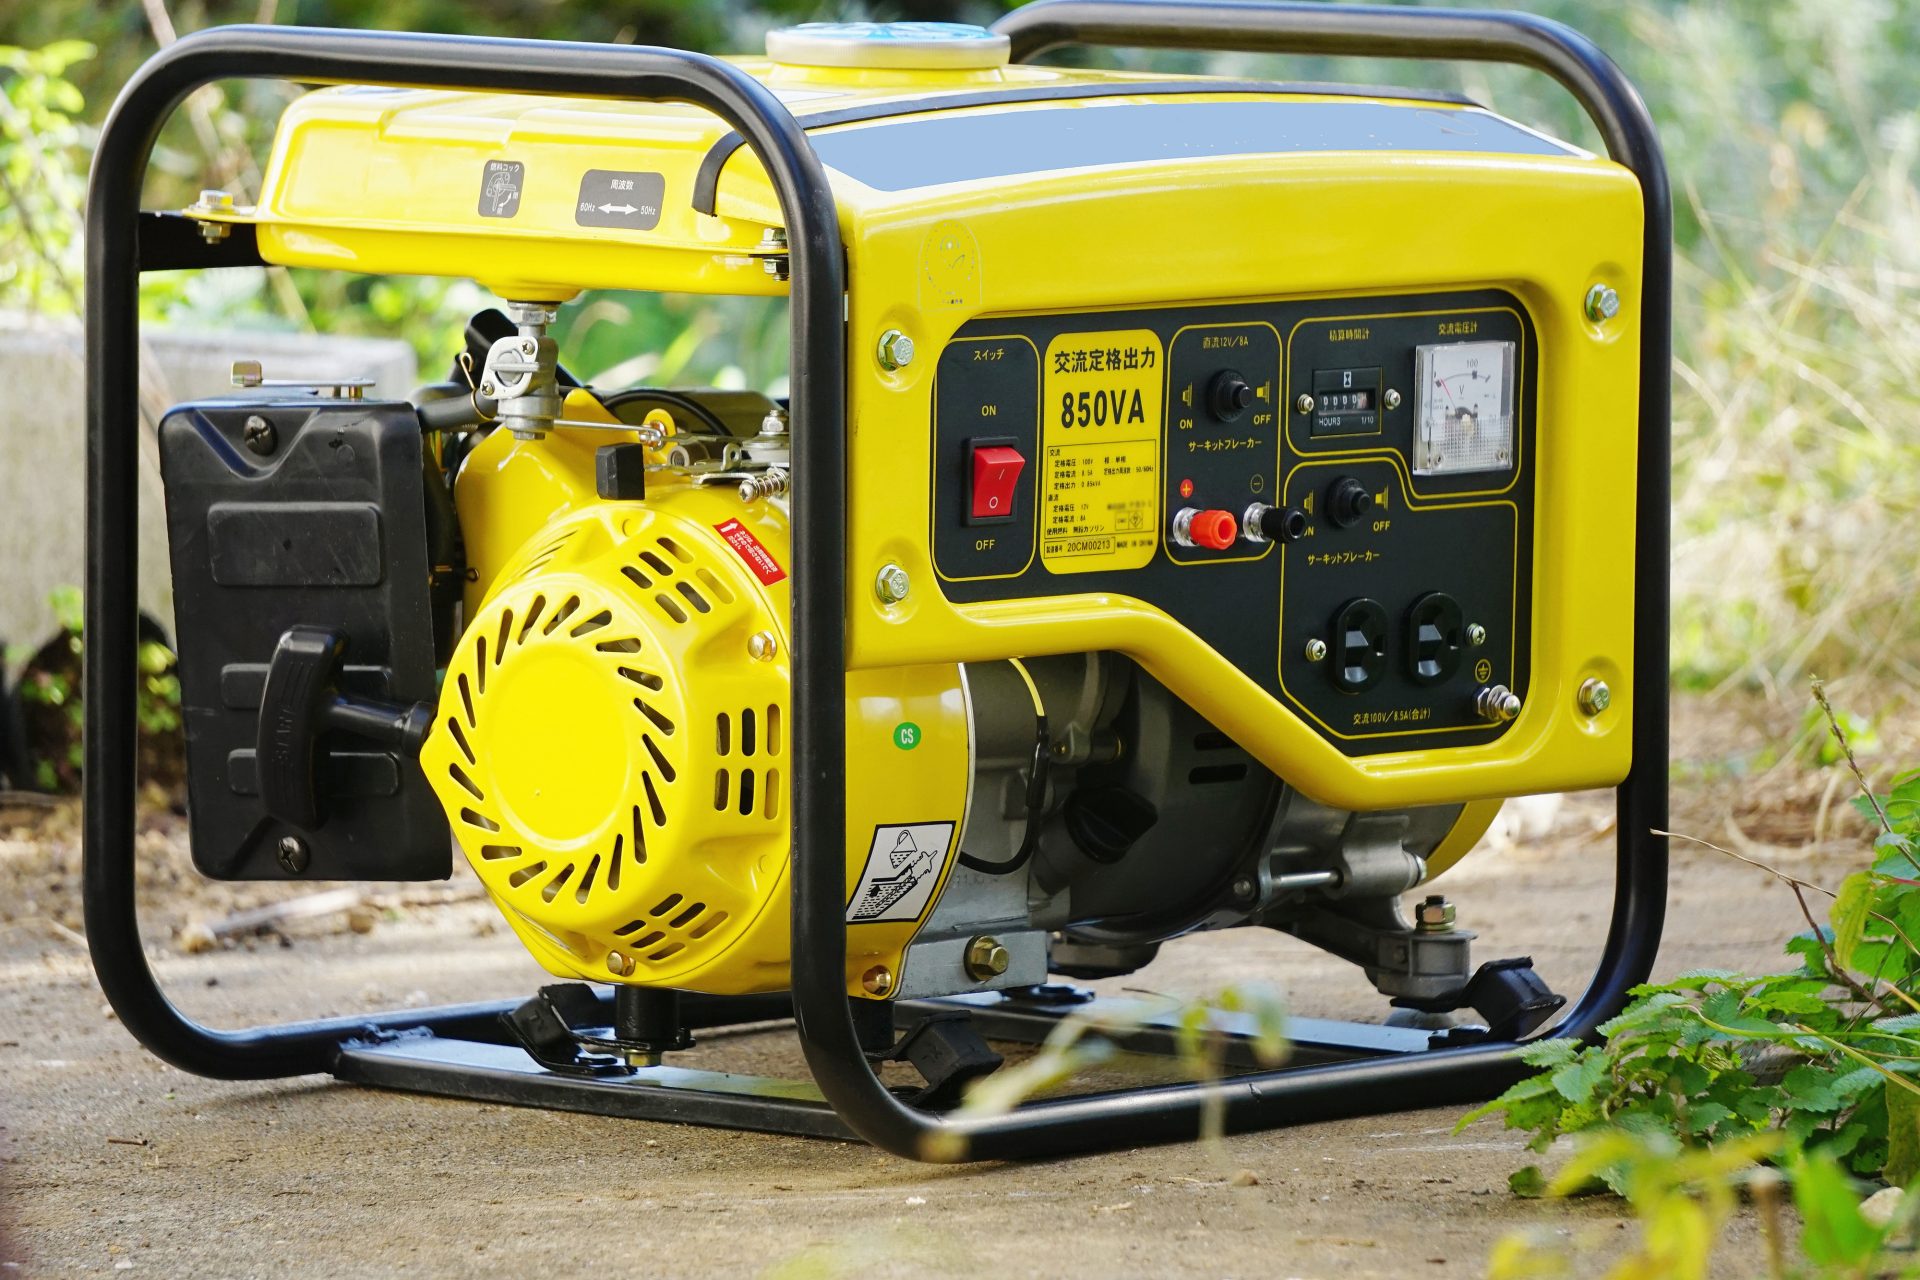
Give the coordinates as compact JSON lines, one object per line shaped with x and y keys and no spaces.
{"x":917,"y":46}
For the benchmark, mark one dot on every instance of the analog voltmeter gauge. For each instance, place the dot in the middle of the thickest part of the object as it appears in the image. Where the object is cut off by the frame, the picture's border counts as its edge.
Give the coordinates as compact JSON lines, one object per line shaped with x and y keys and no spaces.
{"x":1465,"y":408}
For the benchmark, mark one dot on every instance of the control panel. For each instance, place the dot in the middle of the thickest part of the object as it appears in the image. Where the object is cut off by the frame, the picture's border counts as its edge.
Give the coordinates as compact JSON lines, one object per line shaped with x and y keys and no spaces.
{"x":1336,"y":495}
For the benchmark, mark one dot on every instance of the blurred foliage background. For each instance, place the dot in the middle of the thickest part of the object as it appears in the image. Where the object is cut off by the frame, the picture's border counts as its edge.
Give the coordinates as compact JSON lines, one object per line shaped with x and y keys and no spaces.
{"x":1792,"y":130}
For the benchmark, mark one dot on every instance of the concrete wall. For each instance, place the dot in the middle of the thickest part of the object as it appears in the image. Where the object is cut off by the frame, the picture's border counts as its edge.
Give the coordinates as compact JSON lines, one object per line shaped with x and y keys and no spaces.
{"x":43,"y":455}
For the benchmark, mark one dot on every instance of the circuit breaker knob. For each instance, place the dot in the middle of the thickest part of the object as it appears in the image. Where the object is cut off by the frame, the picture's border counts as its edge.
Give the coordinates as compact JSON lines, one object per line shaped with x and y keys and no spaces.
{"x":1347,"y":501}
{"x":1212,"y":529}
{"x":1228,"y":395}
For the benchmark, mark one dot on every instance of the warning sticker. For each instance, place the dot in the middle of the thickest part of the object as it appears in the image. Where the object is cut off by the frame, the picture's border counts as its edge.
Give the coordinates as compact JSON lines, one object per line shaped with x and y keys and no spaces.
{"x":1100,"y":446}
{"x":749,"y":548}
{"x":903,"y":866}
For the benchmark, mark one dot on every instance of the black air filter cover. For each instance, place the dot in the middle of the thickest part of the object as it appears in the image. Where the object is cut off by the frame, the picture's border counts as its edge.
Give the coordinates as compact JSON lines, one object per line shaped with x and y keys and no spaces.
{"x":315,"y":512}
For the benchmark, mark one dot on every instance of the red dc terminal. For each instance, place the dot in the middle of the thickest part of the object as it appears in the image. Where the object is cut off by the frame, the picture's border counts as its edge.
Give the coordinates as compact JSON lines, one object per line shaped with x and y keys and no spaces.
{"x":1214,"y":530}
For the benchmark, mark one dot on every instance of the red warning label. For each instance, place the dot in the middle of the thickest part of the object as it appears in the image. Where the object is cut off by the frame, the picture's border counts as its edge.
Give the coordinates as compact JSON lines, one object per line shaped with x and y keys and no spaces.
{"x":758,"y":558}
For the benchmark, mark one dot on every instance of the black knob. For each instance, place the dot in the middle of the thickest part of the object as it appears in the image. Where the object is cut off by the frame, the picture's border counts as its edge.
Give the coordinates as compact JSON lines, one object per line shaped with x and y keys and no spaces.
{"x":1347,"y":501}
{"x":1283,"y":524}
{"x":1229,"y":396}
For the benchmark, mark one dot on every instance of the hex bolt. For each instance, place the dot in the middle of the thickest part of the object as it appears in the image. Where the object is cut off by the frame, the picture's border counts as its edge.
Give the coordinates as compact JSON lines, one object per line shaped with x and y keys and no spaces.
{"x":1434,"y":915}
{"x":877,"y":981}
{"x":1316,"y":649}
{"x":1602,"y":304}
{"x":896,"y":350}
{"x":1476,"y":634}
{"x":891,"y":584}
{"x":293,"y":855}
{"x":761,"y":646}
{"x":1595,"y":696}
{"x":620,"y":964}
{"x":986,"y":959}
{"x":1391,"y":399}
{"x":1304,"y":404}
{"x":214,"y":201}
{"x":1497,"y":704}
{"x":260,"y":435}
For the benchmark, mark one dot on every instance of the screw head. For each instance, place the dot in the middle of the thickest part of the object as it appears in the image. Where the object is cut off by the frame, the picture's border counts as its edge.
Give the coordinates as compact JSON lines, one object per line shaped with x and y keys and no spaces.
{"x":896,"y":350}
{"x":1476,"y":634}
{"x":293,"y":855}
{"x":1304,"y":404}
{"x":487,"y":389}
{"x":761,"y":646}
{"x":891,"y":584}
{"x":1245,"y":889}
{"x":1602,"y":303}
{"x":260,"y":435}
{"x":1435,"y":915}
{"x":1316,"y":649}
{"x":877,"y":981}
{"x":986,"y":958}
{"x":1595,"y":696}
{"x":528,"y":346}
{"x":1391,"y":399}
{"x":620,"y":964}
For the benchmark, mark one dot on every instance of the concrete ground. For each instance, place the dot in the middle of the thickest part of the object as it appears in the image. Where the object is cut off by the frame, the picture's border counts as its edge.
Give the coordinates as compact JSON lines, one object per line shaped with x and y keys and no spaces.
{"x":111,"y":1161}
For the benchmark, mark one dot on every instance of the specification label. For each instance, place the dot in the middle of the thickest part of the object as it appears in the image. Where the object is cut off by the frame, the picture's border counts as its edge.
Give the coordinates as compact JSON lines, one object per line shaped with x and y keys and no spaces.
{"x":1100,"y":444}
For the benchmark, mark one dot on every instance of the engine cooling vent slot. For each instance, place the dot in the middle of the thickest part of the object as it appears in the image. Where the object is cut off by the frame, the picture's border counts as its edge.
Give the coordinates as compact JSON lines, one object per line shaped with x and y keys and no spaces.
{"x":1212,"y":740}
{"x":752,"y":739}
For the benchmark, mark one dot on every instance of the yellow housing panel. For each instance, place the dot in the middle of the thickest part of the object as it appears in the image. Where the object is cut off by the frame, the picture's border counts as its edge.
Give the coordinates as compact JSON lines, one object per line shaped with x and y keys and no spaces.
{"x":387,"y":181}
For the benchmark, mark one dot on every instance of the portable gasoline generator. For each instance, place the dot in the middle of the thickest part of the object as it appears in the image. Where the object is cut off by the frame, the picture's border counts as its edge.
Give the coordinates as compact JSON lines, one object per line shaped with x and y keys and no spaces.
{"x":1198,"y":503}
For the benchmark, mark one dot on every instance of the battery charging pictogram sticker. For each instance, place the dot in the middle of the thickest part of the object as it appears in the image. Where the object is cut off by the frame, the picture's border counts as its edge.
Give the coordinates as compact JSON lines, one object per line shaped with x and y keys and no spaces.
{"x":750,"y":549}
{"x":1100,"y":418}
{"x":904,"y":863}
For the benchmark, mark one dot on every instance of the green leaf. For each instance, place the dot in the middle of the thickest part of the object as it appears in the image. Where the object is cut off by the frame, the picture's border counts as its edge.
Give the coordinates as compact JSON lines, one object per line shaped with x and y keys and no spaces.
{"x":1790,"y":1002}
{"x":1849,"y":915}
{"x":1527,"y":1182}
{"x":1833,"y":1233}
{"x":1810,"y":1088}
{"x":1642,"y":1013}
{"x":1531,"y":1087}
{"x":1577,"y":1080}
{"x":1903,"y":1137}
{"x":1705,"y":1116}
{"x":1552,"y":1052}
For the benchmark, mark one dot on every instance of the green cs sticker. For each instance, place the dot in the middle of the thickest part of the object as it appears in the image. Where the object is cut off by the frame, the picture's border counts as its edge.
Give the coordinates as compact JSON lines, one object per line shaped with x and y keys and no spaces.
{"x":906,"y":735}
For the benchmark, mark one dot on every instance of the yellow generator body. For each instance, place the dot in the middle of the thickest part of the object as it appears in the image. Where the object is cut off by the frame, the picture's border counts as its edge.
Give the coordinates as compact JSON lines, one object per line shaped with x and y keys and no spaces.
{"x":1184,"y":416}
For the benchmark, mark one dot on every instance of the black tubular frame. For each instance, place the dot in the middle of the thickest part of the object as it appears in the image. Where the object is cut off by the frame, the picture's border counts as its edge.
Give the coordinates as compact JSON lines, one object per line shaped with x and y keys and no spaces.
{"x":818,"y":381}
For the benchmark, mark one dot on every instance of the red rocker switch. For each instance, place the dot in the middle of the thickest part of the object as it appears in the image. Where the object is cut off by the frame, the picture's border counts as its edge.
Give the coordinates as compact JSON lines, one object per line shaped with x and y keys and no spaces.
{"x":996,"y":471}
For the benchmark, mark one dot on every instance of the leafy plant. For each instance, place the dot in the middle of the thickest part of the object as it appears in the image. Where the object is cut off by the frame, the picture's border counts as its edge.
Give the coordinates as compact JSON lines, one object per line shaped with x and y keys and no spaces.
{"x":1827,"y":1053}
{"x":42,"y":176}
{"x":55,"y":716}
{"x":1683,"y":1195}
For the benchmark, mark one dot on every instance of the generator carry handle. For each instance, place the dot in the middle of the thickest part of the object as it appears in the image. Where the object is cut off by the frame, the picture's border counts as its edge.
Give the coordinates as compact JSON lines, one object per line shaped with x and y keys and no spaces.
{"x":1434,"y":1078}
{"x":122,"y":242}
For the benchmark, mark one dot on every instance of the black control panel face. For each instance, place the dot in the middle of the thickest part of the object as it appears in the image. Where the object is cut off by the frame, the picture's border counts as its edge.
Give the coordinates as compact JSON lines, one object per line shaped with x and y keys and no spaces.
{"x":1336,"y":495}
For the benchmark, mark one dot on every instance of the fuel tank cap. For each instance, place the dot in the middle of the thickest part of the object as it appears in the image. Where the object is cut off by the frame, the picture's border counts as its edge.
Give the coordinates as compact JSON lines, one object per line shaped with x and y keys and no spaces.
{"x":916,"y":46}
